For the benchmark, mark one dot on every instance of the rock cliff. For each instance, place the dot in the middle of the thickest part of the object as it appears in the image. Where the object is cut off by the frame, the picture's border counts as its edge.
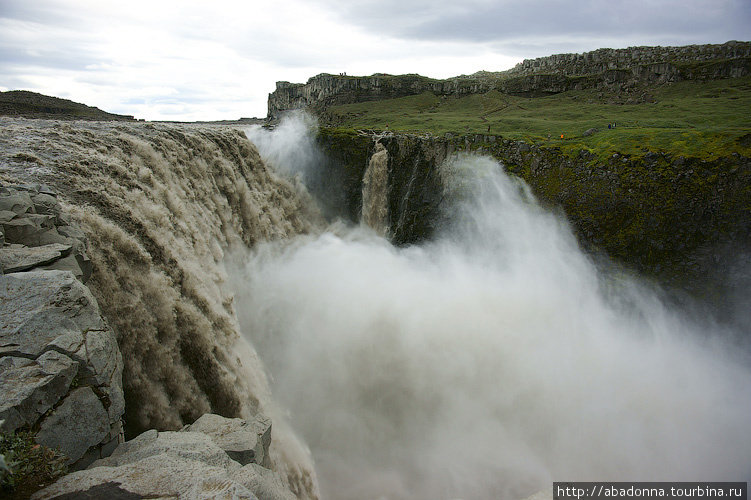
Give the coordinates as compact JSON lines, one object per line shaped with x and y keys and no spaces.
{"x":543,"y":76}
{"x":214,"y":458}
{"x":683,"y":221}
{"x":60,"y":366}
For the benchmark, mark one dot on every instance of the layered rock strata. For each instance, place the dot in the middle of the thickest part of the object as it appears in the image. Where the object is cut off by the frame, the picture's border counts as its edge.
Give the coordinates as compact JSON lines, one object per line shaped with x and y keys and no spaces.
{"x":60,"y":366}
{"x":603,"y":68}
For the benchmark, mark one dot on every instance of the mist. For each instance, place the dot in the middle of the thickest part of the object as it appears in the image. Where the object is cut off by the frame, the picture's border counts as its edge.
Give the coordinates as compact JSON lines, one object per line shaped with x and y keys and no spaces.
{"x":290,"y":147}
{"x":489,"y":362}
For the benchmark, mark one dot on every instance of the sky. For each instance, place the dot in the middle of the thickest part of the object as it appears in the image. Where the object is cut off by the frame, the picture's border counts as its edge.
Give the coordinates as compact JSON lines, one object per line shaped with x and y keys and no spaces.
{"x":190,"y":60}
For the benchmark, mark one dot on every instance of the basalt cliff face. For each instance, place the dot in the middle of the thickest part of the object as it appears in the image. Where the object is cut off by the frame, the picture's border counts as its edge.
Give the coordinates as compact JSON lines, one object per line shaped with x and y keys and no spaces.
{"x":326,"y":90}
{"x":607,"y":68}
{"x":682,"y":221}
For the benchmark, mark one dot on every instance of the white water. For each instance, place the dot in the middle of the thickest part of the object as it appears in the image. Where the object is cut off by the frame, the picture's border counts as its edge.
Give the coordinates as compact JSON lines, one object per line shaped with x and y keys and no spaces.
{"x":489,"y":363}
{"x":375,"y":192}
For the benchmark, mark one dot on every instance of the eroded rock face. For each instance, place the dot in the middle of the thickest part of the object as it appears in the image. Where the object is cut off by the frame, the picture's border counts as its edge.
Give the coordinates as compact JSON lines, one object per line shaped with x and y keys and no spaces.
{"x":184,"y":464}
{"x":35,"y":233}
{"x":60,"y":366}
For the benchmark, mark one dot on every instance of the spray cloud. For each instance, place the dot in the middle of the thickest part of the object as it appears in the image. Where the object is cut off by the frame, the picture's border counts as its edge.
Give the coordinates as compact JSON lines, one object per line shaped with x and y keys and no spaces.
{"x":488,"y":363}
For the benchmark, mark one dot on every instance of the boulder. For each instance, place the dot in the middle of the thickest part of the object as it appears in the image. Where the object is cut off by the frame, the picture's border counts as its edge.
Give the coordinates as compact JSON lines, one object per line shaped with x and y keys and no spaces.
{"x":164,"y":476}
{"x":30,"y":387}
{"x":187,"y":445}
{"x":590,"y":131}
{"x":186,"y":464}
{"x":60,"y":366}
{"x":78,"y":424}
{"x":265,"y":483}
{"x":245,"y":441}
{"x":23,"y":259}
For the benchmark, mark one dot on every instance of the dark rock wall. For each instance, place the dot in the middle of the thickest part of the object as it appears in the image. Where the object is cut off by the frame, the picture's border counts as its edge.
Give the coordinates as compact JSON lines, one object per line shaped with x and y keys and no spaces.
{"x":414,"y":186}
{"x":683,"y":221}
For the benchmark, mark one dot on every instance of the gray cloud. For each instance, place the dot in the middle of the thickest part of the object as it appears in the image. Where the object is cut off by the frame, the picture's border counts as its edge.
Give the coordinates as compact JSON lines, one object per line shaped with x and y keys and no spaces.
{"x":208,"y":59}
{"x":509,"y":23}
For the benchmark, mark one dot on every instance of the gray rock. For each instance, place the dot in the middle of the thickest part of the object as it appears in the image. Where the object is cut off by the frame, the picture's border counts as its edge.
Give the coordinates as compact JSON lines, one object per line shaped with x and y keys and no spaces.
{"x":29,"y":388}
{"x":18,"y":202}
{"x":590,"y":131}
{"x":46,"y":204}
{"x":187,"y":445}
{"x":23,"y":230}
{"x":40,"y":307}
{"x":69,"y":263}
{"x":7,"y":215}
{"x":31,"y":216}
{"x":57,"y":353}
{"x":79,"y":423}
{"x":165,"y":476}
{"x":264,"y":483}
{"x":23,"y":259}
{"x":245,"y":441}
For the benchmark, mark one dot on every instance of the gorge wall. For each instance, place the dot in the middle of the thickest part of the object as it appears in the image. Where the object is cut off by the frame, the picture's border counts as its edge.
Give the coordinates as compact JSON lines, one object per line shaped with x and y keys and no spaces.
{"x":553,"y":74}
{"x":683,"y":221}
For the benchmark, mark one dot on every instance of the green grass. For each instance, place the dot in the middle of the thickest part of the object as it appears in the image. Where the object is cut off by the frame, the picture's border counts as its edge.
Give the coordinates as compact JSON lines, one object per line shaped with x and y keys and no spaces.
{"x":688,"y":118}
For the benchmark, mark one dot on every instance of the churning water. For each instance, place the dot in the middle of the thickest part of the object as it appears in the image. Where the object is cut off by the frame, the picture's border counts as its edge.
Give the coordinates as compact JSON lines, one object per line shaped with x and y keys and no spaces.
{"x":490,"y":362}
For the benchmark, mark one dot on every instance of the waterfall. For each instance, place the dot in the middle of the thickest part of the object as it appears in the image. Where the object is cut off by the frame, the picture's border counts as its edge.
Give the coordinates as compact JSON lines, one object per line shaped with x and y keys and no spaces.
{"x":489,"y":362}
{"x":161,"y":206}
{"x":375,"y":209}
{"x":485,"y":363}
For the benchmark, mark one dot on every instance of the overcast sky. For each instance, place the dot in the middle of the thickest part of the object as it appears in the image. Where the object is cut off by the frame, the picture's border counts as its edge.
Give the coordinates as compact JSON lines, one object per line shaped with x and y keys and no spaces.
{"x":219,"y":59}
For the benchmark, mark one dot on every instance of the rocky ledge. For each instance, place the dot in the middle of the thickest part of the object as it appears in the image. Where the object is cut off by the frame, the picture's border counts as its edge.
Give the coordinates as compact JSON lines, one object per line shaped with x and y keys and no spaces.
{"x":61,"y":377}
{"x":60,"y":366}
{"x":214,"y":458}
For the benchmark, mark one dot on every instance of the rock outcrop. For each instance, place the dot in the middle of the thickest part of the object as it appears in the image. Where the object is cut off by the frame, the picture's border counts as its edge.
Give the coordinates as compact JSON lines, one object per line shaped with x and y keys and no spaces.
{"x":35,"y":233}
{"x":602,"y":60}
{"x":682,"y":220}
{"x":535,"y":77}
{"x":60,"y":367}
{"x":327,"y":90}
{"x":214,"y":458}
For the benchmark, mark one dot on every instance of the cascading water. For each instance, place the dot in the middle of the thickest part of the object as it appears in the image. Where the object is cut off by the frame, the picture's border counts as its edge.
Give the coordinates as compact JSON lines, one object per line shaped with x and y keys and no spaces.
{"x":161,"y":204}
{"x":375,"y":192}
{"x":489,"y":362}
{"x":485,"y":364}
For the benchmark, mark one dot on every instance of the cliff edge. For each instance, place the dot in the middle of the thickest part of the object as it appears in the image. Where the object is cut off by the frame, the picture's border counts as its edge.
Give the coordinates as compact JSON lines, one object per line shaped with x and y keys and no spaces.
{"x":602,"y":68}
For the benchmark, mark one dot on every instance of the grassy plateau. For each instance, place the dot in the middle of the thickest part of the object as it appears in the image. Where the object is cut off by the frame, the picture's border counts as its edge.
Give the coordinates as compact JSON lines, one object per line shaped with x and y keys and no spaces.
{"x":698,"y":119}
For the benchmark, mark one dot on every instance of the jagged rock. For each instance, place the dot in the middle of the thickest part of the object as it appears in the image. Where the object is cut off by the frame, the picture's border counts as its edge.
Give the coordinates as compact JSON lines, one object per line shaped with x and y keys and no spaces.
{"x":23,"y":259}
{"x":164,"y":476}
{"x":245,"y":441}
{"x":14,"y":201}
{"x":187,"y":445}
{"x":31,"y":387}
{"x":184,"y":464}
{"x":265,"y":483}
{"x":57,"y":353}
{"x":79,"y":423}
{"x":30,"y":216}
